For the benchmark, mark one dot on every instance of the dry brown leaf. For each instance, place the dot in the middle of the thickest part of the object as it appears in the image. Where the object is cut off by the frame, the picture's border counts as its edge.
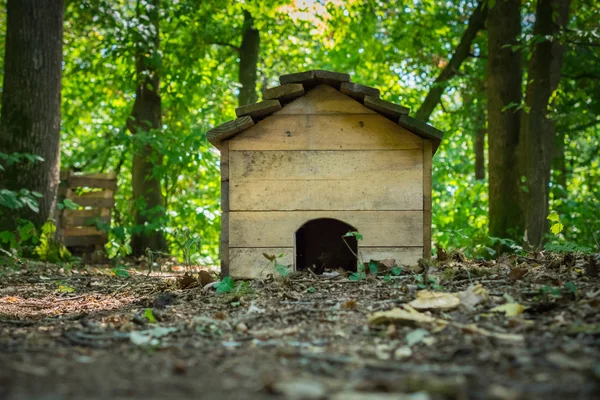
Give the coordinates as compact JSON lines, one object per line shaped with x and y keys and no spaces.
{"x":473,"y":295}
{"x":407,"y":316}
{"x":428,"y":300}
{"x":205,"y":278}
{"x":517,"y":273}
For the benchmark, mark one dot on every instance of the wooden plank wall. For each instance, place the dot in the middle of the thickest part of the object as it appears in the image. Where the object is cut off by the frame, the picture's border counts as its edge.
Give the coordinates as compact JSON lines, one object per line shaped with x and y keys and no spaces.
{"x":323,"y":155}
{"x":94,"y":193}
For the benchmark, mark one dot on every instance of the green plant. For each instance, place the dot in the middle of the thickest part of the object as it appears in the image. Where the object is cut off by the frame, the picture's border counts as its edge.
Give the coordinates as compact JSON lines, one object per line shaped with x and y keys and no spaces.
{"x":149,"y":315}
{"x":226,"y":285}
{"x":557,"y":226}
{"x":49,"y":248}
{"x":359,"y":275}
{"x":282,"y":270}
{"x":62,"y":287}
{"x":120,"y":271}
{"x":188,"y":243}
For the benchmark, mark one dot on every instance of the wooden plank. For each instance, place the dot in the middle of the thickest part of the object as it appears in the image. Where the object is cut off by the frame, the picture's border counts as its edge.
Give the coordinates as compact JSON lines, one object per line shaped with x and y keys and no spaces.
{"x":373,"y":165}
{"x":402,"y":255}
{"x":224,"y":162}
{"x":385,"y":108}
{"x":311,"y":78}
{"x":326,"y":132}
{"x":250,"y":263}
{"x":85,"y":241}
{"x":228,"y":129}
{"x":325,"y":195}
{"x":258,"y":110}
{"x":324,"y":99}
{"x":427,"y":188}
{"x":82,"y":231}
{"x":339,"y":194}
{"x":284,"y":93}
{"x":72,"y":218}
{"x":92,"y":182}
{"x":358,"y":91}
{"x":277,"y":228}
{"x":422,"y":129}
{"x":101,"y":199}
{"x":224,"y":245}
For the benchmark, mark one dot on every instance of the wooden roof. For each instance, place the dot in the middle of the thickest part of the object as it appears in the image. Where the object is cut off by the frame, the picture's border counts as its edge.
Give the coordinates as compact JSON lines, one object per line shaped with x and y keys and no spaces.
{"x":297,"y":84}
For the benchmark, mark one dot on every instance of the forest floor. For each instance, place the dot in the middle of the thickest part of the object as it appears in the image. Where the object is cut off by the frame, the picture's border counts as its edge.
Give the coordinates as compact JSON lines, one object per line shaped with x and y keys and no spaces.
{"x":515,"y":328}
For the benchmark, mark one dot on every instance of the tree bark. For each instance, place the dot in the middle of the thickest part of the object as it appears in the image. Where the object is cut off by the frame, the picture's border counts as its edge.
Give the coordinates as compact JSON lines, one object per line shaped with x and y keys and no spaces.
{"x":145,"y":120}
{"x":537,"y":130}
{"x":476,"y":23}
{"x":249,"y":52}
{"x":504,"y":77}
{"x":30,"y":120}
{"x":479,"y":144}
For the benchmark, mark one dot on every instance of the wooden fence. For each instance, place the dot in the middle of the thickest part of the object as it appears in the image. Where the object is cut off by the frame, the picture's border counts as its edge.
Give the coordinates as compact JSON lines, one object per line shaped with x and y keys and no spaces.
{"x":95,"y":195}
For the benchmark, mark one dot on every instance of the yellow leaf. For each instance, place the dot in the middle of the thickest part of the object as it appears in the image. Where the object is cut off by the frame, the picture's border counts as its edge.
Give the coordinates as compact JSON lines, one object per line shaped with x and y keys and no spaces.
{"x":510,"y":309}
{"x":428,"y":300}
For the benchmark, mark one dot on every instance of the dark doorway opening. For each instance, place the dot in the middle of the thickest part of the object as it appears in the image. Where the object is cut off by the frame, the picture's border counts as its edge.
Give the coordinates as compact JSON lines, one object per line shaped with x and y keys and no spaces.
{"x":319,"y":246}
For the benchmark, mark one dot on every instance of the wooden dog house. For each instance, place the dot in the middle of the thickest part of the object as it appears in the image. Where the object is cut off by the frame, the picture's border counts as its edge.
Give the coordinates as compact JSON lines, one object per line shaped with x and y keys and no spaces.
{"x":318,"y":157}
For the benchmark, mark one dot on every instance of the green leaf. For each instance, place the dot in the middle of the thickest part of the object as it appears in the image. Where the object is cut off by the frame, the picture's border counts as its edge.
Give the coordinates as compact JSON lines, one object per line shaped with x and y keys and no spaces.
{"x":553,"y":216}
{"x":149,"y":315}
{"x":557,"y":228}
{"x":226,"y":285}
{"x":396,"y":271}
{"x":373,"y":267}
{"x":357,"y":235}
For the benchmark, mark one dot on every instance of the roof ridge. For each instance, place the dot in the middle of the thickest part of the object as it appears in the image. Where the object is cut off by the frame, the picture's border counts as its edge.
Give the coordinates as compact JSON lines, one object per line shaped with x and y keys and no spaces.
{"x":297,"y":84}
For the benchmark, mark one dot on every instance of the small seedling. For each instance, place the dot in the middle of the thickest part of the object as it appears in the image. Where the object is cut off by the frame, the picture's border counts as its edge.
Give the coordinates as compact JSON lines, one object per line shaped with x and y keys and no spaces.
{"x":226,"y":285}
{"x":64,"y":288}
{"x":121,"y":271}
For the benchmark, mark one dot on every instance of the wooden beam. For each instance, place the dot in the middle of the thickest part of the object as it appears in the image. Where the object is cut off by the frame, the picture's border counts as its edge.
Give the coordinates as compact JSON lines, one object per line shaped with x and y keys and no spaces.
{"x":228,"y":129}
{"x":385,"y":108}
{"x":259,"y":110}
{"x":422,"y":129}
{"x":284,"y":93}
{"x":312,"y":78}
{"x":358,"y":91}
{"x":427,"y":187}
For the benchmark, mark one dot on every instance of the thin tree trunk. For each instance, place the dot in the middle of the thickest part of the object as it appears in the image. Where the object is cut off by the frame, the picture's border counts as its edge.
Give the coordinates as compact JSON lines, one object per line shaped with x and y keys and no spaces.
{"x":249,"y":52}
{"x":537,"y":131}
{"x":504,"y":77}
{"x":31,"y":102}
{"x":476,"y":23}
{"x":149,"y":210}
{"x":480,"y":153}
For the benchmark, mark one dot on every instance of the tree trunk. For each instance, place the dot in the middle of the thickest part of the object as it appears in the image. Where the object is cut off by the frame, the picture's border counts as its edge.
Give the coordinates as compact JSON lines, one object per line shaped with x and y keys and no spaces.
{"x":480,"y":153}
{"x":249,"y":52}
{"x":537,"y":131}
{"x":504,"y":77}
{"x":30,"y":120}
{"x":476,"y":23}
{"x":145,"y":120}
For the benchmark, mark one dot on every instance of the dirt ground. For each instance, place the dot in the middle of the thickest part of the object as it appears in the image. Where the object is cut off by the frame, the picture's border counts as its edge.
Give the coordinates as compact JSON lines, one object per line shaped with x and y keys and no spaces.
{"x":515,"y":328}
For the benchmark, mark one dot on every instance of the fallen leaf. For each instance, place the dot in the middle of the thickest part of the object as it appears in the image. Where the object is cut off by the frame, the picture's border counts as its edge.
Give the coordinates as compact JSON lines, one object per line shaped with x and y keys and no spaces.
{"x":510,"y":309}
{"x":205,"y":278}
{"x":402,"y":352}
{"x":472,"y":328}
{"x":407,"y":316}
{"x":473,"y":295}
{"x":428,"y":300}
{"x":185,"y":281}
{"x":416,"y":336}
{"x":517,"y":273}
{"x":150,"y":336}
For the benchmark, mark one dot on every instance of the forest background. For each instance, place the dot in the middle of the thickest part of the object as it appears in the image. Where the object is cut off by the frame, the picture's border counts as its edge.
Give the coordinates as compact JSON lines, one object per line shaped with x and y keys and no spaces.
{"x":143,"y":81}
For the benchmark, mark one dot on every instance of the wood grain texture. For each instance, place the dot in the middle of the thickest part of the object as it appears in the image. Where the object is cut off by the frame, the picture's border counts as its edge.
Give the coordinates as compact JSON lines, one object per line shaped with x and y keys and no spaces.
{"x":82,"y":231}
{"x":358,"y":91}
{"x":224,"y":162}
{"x":102,"y":199}
{"x":73,"y":218}
{"x":277,"y":228}
{"x":427,"y":188}
{"x":402,"y":255}
{"x":331,"y":194}
{"x":284,"y":93}
{"x":422,"y":129}
{"x":96,"y":181}
{"x":324,"y":99}
{"x":228,"y":130}
{"x":375,"y":165}
{"x":385,"y":108}
{"x":326,"y":132}
{"x":224,"y":244}
{"x":250,"y":263}
{"x":258,"y":110}
{"x":85,"y":241}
